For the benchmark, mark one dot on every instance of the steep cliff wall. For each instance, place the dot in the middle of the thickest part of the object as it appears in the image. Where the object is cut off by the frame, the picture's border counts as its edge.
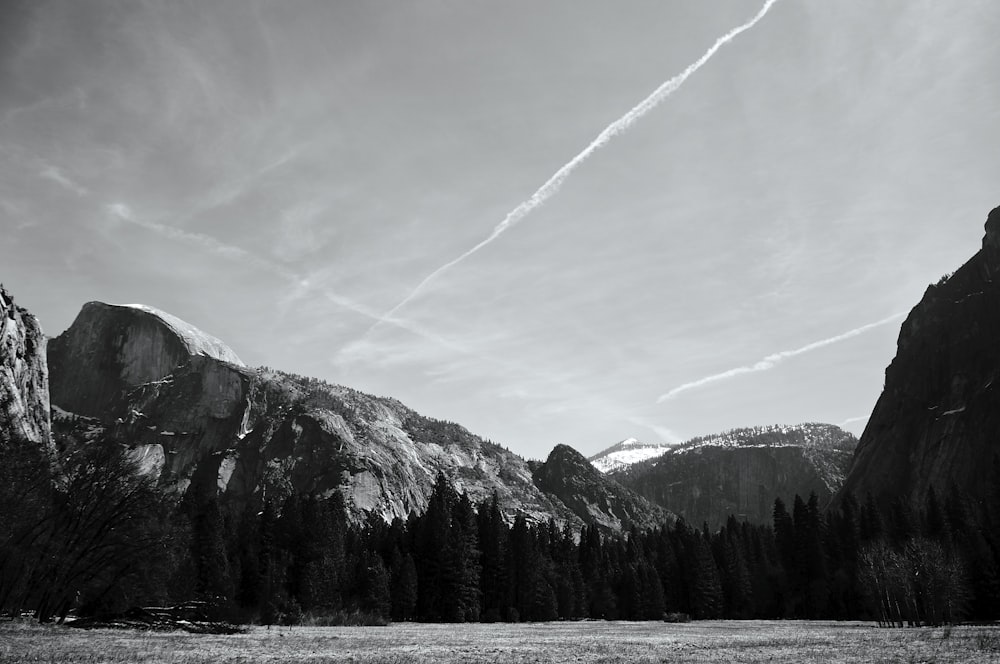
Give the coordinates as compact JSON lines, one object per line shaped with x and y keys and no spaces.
{"x":937,"y":422}
{"x":111,"y":349}
{"x":741,"y":472}
{"x":24,"y":393}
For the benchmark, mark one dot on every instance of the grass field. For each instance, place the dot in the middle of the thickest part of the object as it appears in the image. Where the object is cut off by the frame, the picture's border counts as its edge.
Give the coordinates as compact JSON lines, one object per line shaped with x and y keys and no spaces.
{"x":722,"y":641}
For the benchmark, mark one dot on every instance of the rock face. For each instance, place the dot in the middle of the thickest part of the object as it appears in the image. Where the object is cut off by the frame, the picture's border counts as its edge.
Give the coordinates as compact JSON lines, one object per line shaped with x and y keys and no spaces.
{"x":623,"y":454}
{"x":112,"y":349}
{"x":937,"y":422}
{"x":197,"y":418}
{"x":594,"y":497}
{"x":24,"y":392}
{"x":741,"y":472}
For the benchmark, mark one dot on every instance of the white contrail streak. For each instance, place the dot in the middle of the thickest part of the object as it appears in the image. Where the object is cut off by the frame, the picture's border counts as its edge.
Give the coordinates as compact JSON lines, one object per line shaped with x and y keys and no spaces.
{"x":774,"y":359}
{"x":617,"y":127}
{"x":852,"y":420}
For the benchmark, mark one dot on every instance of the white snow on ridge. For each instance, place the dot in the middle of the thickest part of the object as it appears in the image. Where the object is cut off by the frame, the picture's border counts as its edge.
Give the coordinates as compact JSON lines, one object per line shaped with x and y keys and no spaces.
{"x":197,"y":341}
{"x":626,"y":453}
{"x":809,"y":435}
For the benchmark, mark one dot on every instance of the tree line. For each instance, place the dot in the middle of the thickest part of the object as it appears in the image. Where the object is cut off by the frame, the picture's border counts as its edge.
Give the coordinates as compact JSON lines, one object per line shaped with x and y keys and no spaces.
{"x":100,"y":538}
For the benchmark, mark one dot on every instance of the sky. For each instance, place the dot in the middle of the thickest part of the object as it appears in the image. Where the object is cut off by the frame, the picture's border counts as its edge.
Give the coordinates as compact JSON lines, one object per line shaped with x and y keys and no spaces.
{"x":344,"y":190}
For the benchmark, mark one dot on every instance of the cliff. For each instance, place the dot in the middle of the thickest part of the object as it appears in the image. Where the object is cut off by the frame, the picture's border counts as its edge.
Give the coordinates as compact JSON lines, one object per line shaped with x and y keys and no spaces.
{"x":112,"y":349}
{"x":741,"y":472}
{"x":24,"y":393}
{"x":937,"y":420}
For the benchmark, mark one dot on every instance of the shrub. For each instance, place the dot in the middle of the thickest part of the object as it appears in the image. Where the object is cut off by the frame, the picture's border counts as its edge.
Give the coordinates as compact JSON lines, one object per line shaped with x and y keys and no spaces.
{"x":676,"y":617}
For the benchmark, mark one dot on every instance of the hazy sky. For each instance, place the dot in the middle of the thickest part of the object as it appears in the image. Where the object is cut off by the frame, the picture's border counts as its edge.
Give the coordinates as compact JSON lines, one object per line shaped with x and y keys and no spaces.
{"x":283,"y":174}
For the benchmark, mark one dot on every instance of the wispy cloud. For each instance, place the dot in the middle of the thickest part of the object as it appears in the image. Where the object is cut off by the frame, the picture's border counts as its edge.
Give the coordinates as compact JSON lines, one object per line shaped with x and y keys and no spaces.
{"x":122,"y":212}
{"x":55,"y":175}
{"x":619,"y":126}
{"x":775,"y":359}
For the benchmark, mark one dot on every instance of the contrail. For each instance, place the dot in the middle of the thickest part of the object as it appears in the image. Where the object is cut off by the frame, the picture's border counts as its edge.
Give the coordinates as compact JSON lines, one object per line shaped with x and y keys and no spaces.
{"x":124,"y":213}
{"x":852,"y":420}
{"x":774,"y":359}
{"x":617,"y":127}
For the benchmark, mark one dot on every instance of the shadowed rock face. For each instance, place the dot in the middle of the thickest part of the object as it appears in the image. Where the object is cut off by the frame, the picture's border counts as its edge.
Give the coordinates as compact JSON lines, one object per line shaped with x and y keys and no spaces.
{"x":594,"y":497}
{"x":741,"y":472}
{"x":24,"y":394}
{"x":937,"y":422}
{"x":111,"y":349}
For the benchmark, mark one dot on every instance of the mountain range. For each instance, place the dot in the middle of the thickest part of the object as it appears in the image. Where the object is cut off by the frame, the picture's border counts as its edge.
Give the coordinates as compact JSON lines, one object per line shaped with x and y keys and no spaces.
{"x":198,"y":419}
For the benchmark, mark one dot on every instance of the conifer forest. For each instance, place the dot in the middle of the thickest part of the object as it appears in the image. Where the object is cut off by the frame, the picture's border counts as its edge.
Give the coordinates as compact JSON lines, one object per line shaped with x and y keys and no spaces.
{"x":104,"y":539}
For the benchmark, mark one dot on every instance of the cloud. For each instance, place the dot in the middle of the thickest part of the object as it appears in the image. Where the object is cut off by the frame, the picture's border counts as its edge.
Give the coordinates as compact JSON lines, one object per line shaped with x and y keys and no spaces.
{"x":775,"y":359}
{"x":619,"y":126}
{"x":122,"y":212}
{"x":54,"y":174}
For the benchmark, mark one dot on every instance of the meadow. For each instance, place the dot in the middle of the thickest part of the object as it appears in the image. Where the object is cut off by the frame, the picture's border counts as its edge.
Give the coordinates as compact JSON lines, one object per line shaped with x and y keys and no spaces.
{"x":608,"y":642}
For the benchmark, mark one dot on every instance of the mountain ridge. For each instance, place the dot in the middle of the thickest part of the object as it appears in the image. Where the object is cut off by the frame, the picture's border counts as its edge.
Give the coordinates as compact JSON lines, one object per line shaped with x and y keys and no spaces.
{"x":742,"y":471}
{"x":198,"y":420}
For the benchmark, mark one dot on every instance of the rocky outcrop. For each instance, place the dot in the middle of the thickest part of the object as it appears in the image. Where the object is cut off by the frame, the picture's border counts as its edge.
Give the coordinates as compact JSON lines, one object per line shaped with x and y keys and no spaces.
{"x":112,"y":349}
{"x":24,"y":394}
{"x":741,"y":472}
{"x":594,"y":497}
{"x":937,"y":421}
{"x":197,"y":419}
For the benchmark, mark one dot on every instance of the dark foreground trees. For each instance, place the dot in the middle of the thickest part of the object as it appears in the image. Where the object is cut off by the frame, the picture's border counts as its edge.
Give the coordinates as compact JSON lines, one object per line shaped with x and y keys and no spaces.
{"x":94,"y":535}
{"x":85,"y":533}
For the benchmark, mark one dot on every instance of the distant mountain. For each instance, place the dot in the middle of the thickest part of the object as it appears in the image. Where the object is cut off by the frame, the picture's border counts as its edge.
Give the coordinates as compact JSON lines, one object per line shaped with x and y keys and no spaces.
{"x":593,"y":496}
{"x":623,"y":454}
{"x":937,"y":421}
{"x":742,"y":471}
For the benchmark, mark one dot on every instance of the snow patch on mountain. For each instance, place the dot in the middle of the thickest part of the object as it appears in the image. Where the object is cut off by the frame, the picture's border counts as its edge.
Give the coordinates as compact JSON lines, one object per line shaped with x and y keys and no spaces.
{"x":809,"y":435}
{"x":623,"y":454}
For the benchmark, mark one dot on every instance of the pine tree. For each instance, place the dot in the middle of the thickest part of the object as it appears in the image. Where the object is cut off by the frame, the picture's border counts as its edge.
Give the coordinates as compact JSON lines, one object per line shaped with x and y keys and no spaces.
{"x":465,"y":572}
{"x":494,"y":581}
{"x":706,"y":587}
{"x":787,"y":578}
{"x":813,"y":567}
{"x":404,"y":589}
{"x":208,"y":550}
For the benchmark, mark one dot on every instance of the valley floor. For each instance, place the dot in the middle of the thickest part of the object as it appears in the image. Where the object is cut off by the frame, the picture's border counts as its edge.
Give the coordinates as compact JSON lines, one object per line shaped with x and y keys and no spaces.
{"x":608,"y":642}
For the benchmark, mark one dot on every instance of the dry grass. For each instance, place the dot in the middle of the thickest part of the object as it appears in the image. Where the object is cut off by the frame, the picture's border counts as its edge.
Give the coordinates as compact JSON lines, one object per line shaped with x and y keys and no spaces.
{"x":616,"y":642}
